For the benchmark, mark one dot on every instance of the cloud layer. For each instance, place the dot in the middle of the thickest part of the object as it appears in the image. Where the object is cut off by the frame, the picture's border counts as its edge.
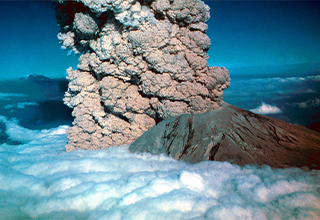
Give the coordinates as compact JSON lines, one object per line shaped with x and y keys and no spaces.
{"x":307,"y":104}
{"x":275,"y":89}
{"x":20,"y":105}
{"x":38,"y":179}
{"x":297,"y":97}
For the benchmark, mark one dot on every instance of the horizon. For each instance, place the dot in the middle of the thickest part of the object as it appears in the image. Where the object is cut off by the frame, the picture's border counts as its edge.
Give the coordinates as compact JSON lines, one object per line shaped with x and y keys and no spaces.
{"x":234,"y":32}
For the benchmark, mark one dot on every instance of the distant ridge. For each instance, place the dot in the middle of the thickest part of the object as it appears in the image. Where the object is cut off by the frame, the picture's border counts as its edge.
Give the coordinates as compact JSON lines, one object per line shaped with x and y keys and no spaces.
{"x":46,"y":97}
{"x":39,"y":87}
{"x":34,"y":77}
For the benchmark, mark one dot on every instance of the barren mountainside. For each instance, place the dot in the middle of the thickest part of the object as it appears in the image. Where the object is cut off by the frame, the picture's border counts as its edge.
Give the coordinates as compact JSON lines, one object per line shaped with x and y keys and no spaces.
{"x":235,"y":135}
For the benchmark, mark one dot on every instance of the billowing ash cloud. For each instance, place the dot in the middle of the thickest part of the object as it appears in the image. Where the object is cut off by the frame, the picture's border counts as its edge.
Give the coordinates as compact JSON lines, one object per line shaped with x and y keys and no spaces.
{"x":39,"y":180}
{"x":141,"y":62}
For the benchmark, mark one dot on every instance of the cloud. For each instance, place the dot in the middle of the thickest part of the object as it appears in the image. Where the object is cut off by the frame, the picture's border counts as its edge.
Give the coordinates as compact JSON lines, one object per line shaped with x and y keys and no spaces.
{"x":276,"y":90}
{"x":24,"y":135}
{"x":315,"y":78}
{"x":38,"y":179}
{"x":20,"y":105}
{"x":307,"y":104}
{"x":266,"y":109}
{"x":7,"y":96}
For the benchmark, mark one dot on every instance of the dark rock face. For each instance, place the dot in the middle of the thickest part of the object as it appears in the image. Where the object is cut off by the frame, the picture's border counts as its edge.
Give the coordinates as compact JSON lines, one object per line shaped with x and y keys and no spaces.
{"x":235,"y":135}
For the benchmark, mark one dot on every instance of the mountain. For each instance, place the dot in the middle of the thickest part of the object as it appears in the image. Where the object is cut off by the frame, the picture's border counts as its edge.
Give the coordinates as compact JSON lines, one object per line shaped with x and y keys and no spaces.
{"x":35,"y":77}
{"x":36,"y":101}
{"x":235,"y":135}
{"x":37,"y":87}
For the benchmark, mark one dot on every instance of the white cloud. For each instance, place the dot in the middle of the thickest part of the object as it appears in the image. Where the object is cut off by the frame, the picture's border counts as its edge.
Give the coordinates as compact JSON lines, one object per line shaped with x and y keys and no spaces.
{"x":9,"y":106}
{"x":8,"y":96}
{"x":24,"y":135}
{"x":266,"y":109}
{"x":314,"y":78}
{"x":38,"y":179}
{"x":307,"y":104}
{"x":24,"y":104}
{"x":298,"y":79}
{"x":311,"y":91}
{"x":20,"y":105}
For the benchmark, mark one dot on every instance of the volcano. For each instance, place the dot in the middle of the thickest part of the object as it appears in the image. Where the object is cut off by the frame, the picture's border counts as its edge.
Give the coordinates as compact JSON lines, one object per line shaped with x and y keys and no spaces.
{"x":235,"y":135}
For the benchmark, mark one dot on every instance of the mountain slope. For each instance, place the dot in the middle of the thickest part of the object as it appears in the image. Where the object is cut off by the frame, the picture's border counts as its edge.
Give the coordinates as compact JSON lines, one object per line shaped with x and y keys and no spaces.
{"x":235,"y":135}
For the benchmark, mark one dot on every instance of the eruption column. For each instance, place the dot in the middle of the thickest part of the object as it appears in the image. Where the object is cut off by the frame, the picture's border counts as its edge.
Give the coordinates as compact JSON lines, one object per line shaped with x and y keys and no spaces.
{"x":141,"y":62}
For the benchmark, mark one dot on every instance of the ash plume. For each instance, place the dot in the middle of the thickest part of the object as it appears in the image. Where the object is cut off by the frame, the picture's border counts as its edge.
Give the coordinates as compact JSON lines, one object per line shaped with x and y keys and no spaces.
{"x":141,"y":62}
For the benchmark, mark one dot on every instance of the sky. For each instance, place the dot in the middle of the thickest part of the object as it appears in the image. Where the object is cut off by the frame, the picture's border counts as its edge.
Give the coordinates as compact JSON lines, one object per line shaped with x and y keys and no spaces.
{"x":28,"y":41}
{"x":253,"y":37}
{"x":258,"y":37}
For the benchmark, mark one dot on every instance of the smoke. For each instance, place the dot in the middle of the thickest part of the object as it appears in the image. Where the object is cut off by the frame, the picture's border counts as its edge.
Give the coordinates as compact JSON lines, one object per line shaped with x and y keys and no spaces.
{"x":141,"y":62}
{"x":39,"y":180}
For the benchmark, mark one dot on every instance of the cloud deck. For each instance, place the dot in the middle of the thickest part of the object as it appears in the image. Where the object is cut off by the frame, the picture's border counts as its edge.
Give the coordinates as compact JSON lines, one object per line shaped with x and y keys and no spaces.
{"x":38,"y":179}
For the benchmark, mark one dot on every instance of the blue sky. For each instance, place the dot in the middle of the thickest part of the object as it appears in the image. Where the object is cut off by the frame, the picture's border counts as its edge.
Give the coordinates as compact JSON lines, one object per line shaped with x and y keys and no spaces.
{"x":28,"y":40}
{"x":247,"y":37}
{"x":265,"y":36}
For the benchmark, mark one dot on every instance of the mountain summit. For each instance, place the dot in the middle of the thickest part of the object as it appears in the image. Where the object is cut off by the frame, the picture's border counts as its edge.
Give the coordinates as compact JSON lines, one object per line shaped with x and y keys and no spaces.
{"x":235,"y":135}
